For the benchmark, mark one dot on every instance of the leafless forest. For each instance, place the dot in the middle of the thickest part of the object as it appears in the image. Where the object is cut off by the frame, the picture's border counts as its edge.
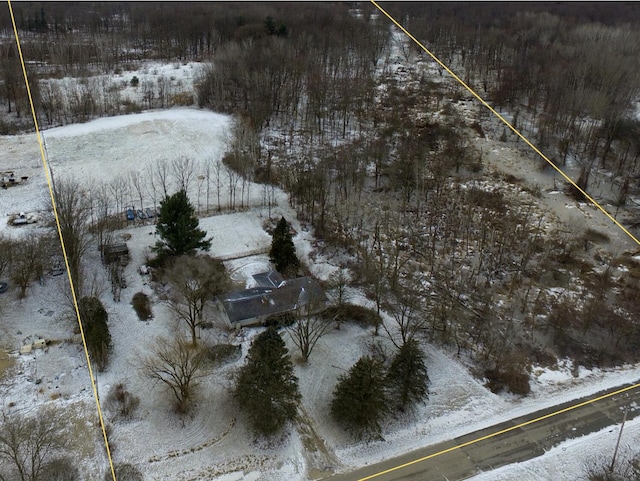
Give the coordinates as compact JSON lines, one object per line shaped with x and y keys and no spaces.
{"x":377,"y":153}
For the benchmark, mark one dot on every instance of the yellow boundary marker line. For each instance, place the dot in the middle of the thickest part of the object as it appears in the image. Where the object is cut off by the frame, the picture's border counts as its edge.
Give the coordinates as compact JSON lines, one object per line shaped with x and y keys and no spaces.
{"x":568,"y":179}
{"x":64,"y":251}
{"x":513,"y":129}
{"x":498,"y":433}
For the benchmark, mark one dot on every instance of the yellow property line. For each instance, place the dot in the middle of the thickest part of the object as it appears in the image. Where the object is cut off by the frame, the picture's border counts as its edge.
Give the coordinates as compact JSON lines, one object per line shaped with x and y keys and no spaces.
{"x":568,"y":179}
{"x":493,"y":111}
{"x":498,"y":433}
{"x":64,"y":251}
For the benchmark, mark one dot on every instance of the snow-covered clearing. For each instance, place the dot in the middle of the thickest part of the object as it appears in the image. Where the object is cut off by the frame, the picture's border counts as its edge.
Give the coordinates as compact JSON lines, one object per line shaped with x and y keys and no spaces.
{"x":214,"y":443}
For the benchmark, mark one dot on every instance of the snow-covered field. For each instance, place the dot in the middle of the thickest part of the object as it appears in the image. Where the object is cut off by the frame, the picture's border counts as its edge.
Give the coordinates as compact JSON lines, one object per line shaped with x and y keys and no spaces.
{"x":214,"y":443}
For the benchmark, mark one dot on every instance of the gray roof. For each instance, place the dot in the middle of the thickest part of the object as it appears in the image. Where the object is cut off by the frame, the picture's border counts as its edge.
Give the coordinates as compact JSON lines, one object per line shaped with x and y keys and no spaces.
{"x":268,"y":279}
{"x":269,"y":301}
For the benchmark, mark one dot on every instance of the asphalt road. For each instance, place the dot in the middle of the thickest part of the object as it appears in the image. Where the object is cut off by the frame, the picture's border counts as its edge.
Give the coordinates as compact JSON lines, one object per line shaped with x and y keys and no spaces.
{"x":467,"y":458}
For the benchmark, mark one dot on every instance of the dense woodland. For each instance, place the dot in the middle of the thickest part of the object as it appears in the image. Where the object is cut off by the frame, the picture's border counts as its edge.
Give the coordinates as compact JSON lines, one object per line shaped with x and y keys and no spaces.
{"x":378,"y":157}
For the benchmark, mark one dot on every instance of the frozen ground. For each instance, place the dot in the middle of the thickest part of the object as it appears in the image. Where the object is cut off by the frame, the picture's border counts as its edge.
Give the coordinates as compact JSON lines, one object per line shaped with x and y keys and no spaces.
{"x":214,"y":443}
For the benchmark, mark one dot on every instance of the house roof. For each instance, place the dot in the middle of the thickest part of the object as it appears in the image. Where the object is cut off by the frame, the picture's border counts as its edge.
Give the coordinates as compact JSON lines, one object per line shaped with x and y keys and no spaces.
{"x":268,"y":301}
{"x":268,"y":279}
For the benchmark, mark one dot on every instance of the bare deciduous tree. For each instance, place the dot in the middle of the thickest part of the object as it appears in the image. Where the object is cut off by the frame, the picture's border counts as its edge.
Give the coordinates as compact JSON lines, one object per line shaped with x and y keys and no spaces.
{"x":101,"y":220}
{"x":217,"y":168}
{"x":28,"y":444}
{"x":73,"y":210}
{"x":118,"y":191}
{"x":308,"y":330}
{"x":194,"y":282}
{"x":27,"y":262}
{"x":176,"y":364}
{"x":184,"y":169}
{"x":161,"y":173}
{"x":408,"y":316}
{"x":6,"y":253}
{"x":135,"y":177}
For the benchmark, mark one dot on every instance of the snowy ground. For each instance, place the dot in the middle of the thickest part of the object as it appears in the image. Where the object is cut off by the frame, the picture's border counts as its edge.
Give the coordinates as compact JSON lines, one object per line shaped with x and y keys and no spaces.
{"x":214,"y":442}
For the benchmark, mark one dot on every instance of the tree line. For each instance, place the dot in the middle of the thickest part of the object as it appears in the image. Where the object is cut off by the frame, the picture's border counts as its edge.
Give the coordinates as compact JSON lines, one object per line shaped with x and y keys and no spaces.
{"x":567,"y":73}
{"x":437,"y":240}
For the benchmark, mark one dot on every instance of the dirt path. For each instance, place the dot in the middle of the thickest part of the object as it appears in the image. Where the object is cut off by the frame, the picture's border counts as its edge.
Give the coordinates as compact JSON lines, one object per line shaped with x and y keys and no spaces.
{"x":321,"y":462}
{"x":502,"y":157}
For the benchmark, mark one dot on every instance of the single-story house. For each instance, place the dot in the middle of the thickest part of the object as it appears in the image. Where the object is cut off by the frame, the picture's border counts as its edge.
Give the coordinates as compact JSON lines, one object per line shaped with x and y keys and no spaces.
{"x":272,"y":296}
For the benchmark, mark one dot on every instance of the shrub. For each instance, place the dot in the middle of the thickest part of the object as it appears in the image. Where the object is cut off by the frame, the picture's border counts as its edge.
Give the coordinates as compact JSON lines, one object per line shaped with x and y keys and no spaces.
{"x":625,"y":468}
{"x":142,"y":305}
{"x":131,"y":107}
{"x":222,"y":353}
{"x":361,"y":315}
{"x":182,"y":99}
{"x":124,"y":472}
{"x":503,"y":136}
{"x":285,"y":319}
{"x":596,"y":236}
{"x":121,"y":401}
{"x":61,"y":469}
{"x":492,"y":200}
{"x":478,"y":129}
{"x":513,"y":377}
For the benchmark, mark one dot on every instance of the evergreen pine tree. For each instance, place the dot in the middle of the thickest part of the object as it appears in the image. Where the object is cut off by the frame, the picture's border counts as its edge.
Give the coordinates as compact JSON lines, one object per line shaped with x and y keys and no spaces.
{"x":266,"y":386}
{"x":283,"y":252}
{"x":359,"y":399}
{"x":407,"y":376}
{"x":178,"y":227}
{"x":96,"y":331}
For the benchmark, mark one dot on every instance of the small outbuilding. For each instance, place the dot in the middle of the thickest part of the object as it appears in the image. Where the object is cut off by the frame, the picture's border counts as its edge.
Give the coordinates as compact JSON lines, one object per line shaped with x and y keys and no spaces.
{"x":114,"y":253}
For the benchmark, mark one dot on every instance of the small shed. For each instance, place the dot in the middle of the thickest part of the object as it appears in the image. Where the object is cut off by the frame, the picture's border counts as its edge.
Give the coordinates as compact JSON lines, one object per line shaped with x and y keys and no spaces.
{"x":115,"y":252}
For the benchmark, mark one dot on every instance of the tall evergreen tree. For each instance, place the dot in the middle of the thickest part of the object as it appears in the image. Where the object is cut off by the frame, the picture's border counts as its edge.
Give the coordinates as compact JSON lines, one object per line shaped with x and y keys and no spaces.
{"x":360,"y":399}
{"x":178,"y":227}
{"x":407,"y":377}
{"x":283,"y":252}
{"x":96,"y":331}
{"x":266,"y":386}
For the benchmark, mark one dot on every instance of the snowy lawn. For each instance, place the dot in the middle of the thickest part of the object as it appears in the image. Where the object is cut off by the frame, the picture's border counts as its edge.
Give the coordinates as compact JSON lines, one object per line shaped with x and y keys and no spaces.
{"x":214,"y":442}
